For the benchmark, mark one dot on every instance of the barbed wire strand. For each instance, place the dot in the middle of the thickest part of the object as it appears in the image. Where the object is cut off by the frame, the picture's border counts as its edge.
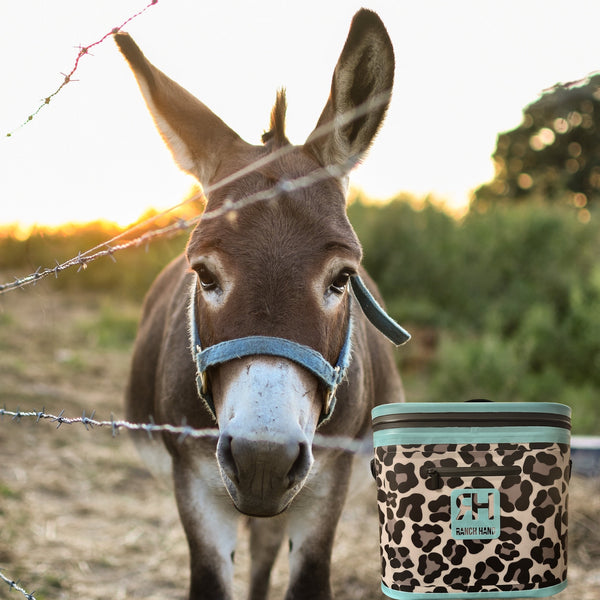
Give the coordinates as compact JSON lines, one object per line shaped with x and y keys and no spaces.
{"x":82,"y":259}
{"x":14,"y":585}
{"x":68,"y":78}
{"x":183,"y":431}
{"x":284,"y":186}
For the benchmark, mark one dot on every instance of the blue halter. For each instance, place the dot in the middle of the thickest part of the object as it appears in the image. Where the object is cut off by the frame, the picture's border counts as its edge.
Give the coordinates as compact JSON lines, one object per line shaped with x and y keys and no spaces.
{"x":310,"y":359}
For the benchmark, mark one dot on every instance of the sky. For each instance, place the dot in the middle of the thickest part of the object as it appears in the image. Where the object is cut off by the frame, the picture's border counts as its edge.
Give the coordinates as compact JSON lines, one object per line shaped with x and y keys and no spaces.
{"x":465,"y":69}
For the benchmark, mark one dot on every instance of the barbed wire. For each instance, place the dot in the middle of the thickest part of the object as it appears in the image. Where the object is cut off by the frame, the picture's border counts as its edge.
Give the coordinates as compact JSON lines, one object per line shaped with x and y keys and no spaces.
{"x":183,"y":431}
{"x":83,"y":258}
{"x":285,"y":186}
{"x":68,"y":77}
{"x":14,"y":585}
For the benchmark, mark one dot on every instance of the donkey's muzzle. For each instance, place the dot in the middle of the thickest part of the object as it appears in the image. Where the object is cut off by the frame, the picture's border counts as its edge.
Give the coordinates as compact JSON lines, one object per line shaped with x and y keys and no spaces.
{"x":262,"y":476}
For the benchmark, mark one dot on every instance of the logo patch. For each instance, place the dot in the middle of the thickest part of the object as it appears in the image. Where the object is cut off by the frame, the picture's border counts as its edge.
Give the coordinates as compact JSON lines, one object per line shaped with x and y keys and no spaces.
{"x":475,"y":514}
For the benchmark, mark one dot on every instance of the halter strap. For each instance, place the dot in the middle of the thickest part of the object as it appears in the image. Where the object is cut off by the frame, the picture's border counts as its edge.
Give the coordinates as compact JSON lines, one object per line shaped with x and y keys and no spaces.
{"x":303,"y":355}
{"x":376,"y":314}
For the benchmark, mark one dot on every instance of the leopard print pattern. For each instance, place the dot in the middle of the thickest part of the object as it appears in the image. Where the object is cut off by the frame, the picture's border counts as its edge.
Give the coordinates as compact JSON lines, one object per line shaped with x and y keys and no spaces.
{"x":418,"y":551}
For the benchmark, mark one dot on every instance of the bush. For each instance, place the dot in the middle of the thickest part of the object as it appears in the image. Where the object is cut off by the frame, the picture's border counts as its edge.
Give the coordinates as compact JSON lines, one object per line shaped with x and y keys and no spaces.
{"x":514,"y":294}
{"x":411,"y":253}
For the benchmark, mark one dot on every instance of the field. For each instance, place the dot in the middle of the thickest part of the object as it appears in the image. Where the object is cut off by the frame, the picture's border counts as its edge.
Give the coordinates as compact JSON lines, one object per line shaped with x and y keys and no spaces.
{"x":80,"y":517}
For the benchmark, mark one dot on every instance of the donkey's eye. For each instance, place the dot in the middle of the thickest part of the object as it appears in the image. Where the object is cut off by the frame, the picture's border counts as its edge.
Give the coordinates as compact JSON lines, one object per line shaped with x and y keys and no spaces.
{"x":338,"y":285}
{"x":207,"y":280}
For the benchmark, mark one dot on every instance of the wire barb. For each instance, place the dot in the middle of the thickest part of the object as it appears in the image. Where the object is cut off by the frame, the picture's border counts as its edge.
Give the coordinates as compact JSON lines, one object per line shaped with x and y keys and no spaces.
{"x":68,"y":77}
{"x":15,"y":585}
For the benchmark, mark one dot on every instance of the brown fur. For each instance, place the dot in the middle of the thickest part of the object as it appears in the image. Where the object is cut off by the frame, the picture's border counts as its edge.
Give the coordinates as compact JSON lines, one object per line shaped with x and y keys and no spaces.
{"x":275,"y":251}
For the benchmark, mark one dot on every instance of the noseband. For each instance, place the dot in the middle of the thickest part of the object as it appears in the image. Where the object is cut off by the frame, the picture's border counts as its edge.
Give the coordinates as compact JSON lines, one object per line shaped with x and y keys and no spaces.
{"x":330,"y":376}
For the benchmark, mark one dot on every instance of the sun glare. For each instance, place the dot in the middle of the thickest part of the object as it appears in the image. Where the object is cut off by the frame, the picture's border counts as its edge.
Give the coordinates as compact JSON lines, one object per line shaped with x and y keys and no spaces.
{"x":190,"y":206}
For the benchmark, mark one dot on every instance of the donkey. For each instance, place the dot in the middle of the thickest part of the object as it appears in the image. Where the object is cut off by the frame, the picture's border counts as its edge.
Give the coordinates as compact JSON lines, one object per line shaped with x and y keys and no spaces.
{"x":257,"y":331}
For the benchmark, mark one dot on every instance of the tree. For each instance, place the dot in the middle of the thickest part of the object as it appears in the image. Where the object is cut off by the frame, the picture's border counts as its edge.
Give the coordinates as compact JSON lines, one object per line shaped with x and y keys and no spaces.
{"x":554,"y":154}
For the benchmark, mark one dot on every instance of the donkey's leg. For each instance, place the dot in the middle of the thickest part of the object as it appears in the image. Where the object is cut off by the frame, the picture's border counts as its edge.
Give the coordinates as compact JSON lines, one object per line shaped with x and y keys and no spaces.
{"x":266,"y":536}
{"x":210,"y":523}
{"x":312,"y":523}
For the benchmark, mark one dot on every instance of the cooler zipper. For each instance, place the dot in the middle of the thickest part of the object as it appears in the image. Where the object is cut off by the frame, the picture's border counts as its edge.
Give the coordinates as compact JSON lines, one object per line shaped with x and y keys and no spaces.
{"x":437,"y":473}
{"x":502,"y":419}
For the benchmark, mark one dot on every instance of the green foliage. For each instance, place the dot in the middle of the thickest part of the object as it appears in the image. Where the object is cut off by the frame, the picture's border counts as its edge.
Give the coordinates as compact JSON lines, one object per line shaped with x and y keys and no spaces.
{"x":513,"y":294}
{"x":402,"y":249}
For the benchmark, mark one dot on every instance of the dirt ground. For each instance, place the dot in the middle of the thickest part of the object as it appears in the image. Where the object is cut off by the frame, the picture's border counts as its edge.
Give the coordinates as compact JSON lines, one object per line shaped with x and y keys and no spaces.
{"x":80,"y":517}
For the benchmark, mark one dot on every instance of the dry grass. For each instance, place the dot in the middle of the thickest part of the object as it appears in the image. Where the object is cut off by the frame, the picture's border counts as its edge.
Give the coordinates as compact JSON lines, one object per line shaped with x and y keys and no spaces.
{"x":80,"y":516}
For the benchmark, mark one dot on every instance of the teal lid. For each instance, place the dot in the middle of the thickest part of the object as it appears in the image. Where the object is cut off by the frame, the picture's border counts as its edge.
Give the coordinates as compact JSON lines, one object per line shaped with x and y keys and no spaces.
{"x":470,"y":407}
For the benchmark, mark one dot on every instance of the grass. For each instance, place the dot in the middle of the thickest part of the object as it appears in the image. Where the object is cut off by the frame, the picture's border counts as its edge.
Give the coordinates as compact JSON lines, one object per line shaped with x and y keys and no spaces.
{"x":7,"y":493}
{"x":113,"y":327}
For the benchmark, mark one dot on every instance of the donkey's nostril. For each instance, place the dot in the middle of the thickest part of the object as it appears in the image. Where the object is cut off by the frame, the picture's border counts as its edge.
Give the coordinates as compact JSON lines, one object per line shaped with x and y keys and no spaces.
{"x":300,"y":467}
{"x":226,"y":458}
{"x":263,"y":466}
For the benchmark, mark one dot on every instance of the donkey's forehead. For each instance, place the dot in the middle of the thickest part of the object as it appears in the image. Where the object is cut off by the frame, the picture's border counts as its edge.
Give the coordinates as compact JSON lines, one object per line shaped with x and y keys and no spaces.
{"x":264,"y":214}
{"x":256,"y":167}
{"x":287,"y":223}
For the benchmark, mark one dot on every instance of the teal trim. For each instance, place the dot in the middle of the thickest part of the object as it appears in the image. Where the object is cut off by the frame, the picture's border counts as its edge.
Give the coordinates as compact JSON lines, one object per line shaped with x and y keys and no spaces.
{"x":466,"y":435}
{"x":470,"y":407}
{"x":536,"y":593}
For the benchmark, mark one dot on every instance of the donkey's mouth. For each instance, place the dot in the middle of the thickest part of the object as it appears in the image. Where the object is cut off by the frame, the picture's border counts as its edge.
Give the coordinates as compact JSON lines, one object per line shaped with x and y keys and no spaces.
{"x":258,"y":507}
{"x":263,"y":477}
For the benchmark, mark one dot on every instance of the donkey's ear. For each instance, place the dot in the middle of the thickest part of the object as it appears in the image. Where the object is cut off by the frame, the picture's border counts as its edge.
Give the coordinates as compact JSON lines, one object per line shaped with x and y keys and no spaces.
{"x":360,"y":94}
{"x":196,"y":137}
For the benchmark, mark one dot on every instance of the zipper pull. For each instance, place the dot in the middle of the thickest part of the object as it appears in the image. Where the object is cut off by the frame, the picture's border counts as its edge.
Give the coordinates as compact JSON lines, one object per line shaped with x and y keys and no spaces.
{"x":435,"y":476}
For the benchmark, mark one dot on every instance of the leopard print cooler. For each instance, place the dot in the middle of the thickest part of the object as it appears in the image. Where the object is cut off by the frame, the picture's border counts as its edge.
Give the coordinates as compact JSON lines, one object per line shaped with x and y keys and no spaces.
{"x":472,"y":499}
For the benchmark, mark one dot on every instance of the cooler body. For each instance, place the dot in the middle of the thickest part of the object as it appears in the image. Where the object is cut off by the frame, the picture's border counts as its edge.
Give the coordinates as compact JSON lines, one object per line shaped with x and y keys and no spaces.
{"x":472,"y":499}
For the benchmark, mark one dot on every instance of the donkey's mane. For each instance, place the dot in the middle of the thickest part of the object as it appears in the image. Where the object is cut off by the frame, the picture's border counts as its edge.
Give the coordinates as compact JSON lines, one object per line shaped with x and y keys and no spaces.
{"x":276,"y":134}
